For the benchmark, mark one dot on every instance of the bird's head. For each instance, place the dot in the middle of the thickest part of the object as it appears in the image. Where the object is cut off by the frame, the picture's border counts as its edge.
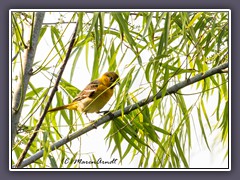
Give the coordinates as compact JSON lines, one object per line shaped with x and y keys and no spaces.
{"x":110,"y":79}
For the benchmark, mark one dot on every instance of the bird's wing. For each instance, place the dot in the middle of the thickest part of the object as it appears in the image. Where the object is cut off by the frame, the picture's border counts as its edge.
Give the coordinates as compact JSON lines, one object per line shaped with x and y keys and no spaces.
{"x":89,"y":90}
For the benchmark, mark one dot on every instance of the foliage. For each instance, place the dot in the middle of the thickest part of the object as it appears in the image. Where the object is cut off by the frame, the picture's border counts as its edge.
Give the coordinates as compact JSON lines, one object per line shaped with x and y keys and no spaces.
{"x":151,"y":51}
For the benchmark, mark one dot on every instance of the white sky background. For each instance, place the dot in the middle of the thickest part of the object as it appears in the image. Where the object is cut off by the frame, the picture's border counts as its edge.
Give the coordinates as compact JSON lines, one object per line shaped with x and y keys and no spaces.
{"x":94,"y":141}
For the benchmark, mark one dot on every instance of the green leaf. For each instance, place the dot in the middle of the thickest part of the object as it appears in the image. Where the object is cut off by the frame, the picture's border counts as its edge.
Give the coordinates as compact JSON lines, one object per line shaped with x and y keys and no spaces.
{"x":69,"y":88}
{"x":180,"y":151}
{"x":148,"y":23}
{"x":161,"y":130}
{"x":165,"y":82}
{"x":95,"y":159}
{"x":205,"y":115}
{"x":52,"y":161}
{"x":196,"y":17}
{"x":117,"y":140}
{"x":75,"y":61}
{"x":185,"y":113}
{"x":35,"y":91}
{"x":202,"y":128}
{"x":124,"y":130}
{"x":225,"y":121}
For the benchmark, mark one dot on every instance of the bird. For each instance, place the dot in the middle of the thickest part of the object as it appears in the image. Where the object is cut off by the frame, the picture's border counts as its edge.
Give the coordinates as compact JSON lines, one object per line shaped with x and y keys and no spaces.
{"x":94,"y":96}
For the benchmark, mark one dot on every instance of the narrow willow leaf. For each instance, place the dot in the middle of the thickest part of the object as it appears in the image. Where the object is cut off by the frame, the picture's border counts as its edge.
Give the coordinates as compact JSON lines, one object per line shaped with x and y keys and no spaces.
{"x":17,"y":29}
{"x":141,"y":161}
{"x":117,"y":141}
{"x":205,"y":115}
{"x":72,"y":160}
{"x":224,"y":123}
{"x":42,"y":32}
{"x":166,"y":30}
{"x":129,"y":147}
{"x":123,"y":23}
{"x":36,"y":103}
{"x":165,"y":82}
{"x":160,"y":46}
{"x":95,"y":159}
{"x":148,"y":71}
{"x":174,"y":159}
{"x":155,"y":106}
{"x":112,"y":55}
{"x":69,"y":88}
{"x":124,"y":130}
{"x":148,"y":23}
{"x":63,"y":156}
{"x":75,"y":61}
{"x":124,"y":26}
{"x":210,"y":47}
{"x":218,"y":106}
{"x":123,"y":90}
{"x":150,"y":132}
{"x":55,"y":33}
{"x":202,"y":128}
{"x":148,"y":127}
{"x":63,"y":113}
{"x":97,"y":53}
{"x":131,"y":141}
{"x":53,"y":162}
{"x":31,"y":94}
{"x":151,"y":34}
{"x":195,"y":18}
{"x":111,"y":132}
{"x":161,"y":130}
{"x":80,"y":22}
{"x":180,"y":151}
{"x":46,"y":148}
{"x":147,"y":160}
{"x":94,"y":21}
{"x":224,"y":87}
{"x":185,"y":112}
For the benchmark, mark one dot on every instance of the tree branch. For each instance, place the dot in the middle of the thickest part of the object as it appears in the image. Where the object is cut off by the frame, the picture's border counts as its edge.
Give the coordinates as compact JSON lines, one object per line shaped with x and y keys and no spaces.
{"x":24,"y":77}
{"x":36,"y":129}
{"x":127,"y":110}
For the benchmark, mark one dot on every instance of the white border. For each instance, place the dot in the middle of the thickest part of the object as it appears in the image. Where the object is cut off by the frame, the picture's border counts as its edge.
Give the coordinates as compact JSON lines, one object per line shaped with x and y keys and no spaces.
{"x":118,"y":10}
{"x":230,"y":90}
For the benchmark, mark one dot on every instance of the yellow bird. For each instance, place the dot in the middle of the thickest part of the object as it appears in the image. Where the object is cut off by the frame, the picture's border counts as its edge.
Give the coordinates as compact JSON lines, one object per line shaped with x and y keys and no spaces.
{"x":94,"y":96}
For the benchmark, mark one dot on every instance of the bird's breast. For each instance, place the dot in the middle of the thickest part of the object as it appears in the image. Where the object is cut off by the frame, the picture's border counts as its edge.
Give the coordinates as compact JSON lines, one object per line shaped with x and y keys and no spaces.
{"x":96,"y":102}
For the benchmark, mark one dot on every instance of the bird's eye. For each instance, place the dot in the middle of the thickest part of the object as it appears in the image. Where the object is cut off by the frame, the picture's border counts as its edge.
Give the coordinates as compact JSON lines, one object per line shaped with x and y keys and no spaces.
{"x":111,"y":79}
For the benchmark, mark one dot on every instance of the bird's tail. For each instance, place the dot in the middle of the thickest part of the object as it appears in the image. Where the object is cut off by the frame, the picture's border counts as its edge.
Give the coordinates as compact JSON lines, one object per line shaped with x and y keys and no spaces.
{"x":71,"y":106}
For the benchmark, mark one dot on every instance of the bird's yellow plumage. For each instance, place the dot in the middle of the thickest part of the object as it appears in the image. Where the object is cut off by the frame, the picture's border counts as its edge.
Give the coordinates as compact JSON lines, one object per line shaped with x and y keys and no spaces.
{"x":94,"y":96}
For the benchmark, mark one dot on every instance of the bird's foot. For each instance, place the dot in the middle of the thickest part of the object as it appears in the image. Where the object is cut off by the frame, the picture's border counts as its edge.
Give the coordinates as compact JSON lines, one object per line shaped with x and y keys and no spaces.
{"x":109,"y":113}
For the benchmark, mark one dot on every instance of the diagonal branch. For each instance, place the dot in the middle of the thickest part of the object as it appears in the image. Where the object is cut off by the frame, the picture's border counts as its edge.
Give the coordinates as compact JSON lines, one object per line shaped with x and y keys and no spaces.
{"x":127,"y":110}
{"x":49,"y":101}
